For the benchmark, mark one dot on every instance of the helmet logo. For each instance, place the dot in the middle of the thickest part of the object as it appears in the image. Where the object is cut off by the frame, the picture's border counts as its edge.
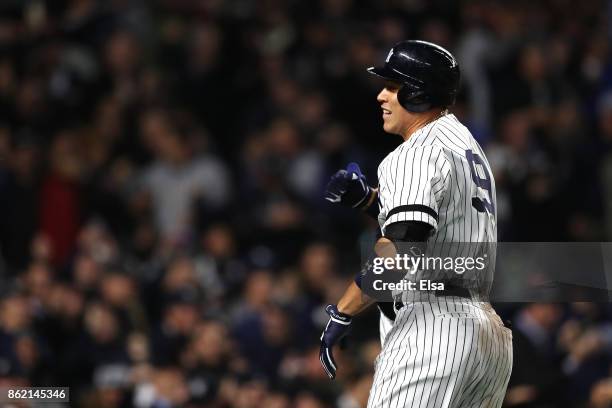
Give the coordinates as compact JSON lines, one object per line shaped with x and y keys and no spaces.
{"x":389,"y":55}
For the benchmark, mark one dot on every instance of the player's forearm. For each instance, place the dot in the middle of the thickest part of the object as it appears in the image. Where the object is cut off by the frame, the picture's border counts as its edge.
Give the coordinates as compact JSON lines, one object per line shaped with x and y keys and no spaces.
{"x":354,"y":301}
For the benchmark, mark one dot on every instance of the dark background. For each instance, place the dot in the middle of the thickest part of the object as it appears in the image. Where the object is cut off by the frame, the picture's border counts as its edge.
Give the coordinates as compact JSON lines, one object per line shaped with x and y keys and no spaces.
{"x":163,"y":236}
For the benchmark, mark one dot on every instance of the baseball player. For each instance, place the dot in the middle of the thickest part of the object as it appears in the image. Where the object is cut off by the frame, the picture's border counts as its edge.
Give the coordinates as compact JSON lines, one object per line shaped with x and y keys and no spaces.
{"x":445,"y":347}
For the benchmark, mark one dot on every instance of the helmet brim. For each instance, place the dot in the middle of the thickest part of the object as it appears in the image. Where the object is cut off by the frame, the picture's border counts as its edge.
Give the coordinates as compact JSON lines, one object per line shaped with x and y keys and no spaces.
{"x":386,"y":73}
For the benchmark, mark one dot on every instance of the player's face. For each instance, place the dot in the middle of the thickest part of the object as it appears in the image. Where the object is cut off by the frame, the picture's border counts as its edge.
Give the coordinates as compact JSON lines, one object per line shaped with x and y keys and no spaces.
{"x":396,"y":119}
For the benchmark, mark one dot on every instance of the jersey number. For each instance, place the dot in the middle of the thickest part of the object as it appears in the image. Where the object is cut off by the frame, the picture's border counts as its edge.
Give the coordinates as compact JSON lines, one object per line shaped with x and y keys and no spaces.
{"x":482,"y":180}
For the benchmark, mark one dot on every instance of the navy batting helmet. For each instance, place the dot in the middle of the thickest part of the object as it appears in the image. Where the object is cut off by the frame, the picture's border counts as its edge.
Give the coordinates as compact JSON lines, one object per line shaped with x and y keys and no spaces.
{"x":428,"y":74}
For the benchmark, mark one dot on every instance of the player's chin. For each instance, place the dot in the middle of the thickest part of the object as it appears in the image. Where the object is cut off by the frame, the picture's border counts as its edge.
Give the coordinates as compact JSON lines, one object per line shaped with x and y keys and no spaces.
{"x":388,"y":126}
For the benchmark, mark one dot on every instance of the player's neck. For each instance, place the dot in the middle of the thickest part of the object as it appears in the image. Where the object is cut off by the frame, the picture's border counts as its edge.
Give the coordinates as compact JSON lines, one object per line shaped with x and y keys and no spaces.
{"x":421,"y":120}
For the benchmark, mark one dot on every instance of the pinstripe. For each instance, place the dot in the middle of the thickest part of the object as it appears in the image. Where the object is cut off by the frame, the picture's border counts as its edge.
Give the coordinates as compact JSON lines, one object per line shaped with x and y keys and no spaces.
{"x":457,"y":192}
{"x":497,"y":372}
{"x":414,"y":175}
{"x":388,"y":360}
{"x":447,"y":348}
{"x":449,"y":378}
{"x":455,"y":204}
{"x":412,"y":371}
{"x":478,"y":396}
{"x":478,"y":393}
{"x":403,"y":176}
{"x":455,"y":139}
{"x":462,"y":367}
{"x":422,"y":363}
{"x":439,"y":336}
{"x":411,"y":351}
{"x":493,"y":378}
{"x":485,"y":389}
{"x":444,"y":365}
{"x":419,"y":193}
{"x":501,"y":371}
{"x":396,"y":180}
{"x":452,"y":140}
{"x":478,"y":369}
{"x":420,"y":179}
{"x":412,"y":164}
{"x":434,"y":337}
{"x":472,"y":357}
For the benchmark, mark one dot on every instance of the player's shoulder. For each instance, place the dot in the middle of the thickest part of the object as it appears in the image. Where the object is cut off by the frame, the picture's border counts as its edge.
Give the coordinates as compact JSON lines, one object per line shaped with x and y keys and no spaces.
{"x":443,"y":138}
{"x":448,"y":140}
{"x":449,"y":134}
{"x":426,"y":154}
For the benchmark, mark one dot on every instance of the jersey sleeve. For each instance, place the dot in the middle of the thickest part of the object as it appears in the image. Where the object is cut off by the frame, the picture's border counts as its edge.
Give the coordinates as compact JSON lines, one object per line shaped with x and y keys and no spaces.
{"x":422,"y":175}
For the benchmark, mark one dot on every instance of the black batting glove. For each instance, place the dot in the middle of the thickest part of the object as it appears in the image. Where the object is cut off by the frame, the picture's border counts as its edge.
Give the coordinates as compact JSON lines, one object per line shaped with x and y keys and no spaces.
{"x":337,"y":327}
{"x":349,"y":187}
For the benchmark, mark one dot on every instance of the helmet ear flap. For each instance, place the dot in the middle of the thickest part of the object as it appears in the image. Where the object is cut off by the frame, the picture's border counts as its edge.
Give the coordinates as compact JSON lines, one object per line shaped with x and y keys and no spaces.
{"x":413,"y":101}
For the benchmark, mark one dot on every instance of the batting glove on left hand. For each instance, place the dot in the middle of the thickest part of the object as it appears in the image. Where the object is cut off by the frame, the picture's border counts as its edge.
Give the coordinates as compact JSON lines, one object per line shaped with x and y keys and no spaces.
{"x":348,"y":187}
{"x":337,"y":327}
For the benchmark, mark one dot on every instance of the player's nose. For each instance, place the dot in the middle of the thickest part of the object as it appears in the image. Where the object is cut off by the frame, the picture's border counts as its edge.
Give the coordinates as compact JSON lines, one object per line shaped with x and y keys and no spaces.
{"x":382,"y":95}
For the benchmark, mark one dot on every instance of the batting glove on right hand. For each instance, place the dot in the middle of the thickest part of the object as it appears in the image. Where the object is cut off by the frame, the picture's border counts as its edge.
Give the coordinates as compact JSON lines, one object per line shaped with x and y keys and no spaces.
{"x":337,"y":327}
{"x":348,"y":187}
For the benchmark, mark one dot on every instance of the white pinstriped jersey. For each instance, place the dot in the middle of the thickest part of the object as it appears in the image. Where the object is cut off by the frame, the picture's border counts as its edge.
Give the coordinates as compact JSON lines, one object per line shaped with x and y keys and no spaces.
{"x":440,"y":176}
{"x":442,"y":351}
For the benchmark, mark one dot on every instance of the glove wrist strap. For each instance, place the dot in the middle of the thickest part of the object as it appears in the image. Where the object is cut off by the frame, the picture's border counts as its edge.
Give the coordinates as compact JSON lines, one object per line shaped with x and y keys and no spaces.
{"x":373,"y":193}
{"x":338,"y":317}
{"x":367,"y":199}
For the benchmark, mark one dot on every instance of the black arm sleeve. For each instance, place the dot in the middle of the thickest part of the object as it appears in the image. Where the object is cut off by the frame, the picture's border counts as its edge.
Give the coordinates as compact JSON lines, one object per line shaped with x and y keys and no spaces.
{"x":408,"y":231}
{"x":414,"y":232}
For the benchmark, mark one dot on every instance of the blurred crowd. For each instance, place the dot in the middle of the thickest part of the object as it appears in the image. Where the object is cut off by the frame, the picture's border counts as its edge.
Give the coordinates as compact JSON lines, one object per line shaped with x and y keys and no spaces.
{"x":163,"y":236}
